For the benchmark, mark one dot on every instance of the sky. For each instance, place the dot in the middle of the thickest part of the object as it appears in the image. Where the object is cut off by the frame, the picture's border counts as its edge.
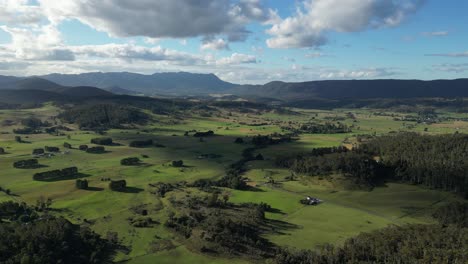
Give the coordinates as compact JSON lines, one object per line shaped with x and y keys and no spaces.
{"x":241,"y":41}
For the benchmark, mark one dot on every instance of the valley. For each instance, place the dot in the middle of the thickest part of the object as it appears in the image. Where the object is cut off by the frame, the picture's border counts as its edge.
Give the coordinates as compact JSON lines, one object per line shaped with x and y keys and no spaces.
{"x":346,"y":210}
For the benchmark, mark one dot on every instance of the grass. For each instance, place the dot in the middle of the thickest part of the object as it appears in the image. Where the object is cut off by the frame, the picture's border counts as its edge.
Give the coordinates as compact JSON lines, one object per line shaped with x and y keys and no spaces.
{"x":343,"y":214}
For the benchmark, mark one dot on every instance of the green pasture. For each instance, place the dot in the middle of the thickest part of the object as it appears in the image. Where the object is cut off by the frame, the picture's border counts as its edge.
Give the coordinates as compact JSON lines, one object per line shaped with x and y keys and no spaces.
{"x":343,"y":214}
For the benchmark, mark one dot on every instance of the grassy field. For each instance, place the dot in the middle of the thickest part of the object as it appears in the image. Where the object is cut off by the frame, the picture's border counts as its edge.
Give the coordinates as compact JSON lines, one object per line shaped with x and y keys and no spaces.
{"x":344,"y":213}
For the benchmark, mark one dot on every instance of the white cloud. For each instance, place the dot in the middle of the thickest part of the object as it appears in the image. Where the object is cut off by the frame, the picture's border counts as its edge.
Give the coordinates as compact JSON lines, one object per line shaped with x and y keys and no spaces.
{"x":131,"y":52}
{"x":37,"y":43}
{"x":314,"y":18}
{"x":365,"y":73}
{"x":453,"y":55}
{"x":451,"y":67}
{"x":436,"y":34}
{"x":215,"y":44}
{"x":237,"y":58}
{"x":19,"y":12}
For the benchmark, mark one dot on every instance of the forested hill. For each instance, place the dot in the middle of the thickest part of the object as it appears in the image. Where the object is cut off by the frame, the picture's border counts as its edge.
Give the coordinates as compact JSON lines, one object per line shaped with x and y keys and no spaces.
{"x":357,"y":89}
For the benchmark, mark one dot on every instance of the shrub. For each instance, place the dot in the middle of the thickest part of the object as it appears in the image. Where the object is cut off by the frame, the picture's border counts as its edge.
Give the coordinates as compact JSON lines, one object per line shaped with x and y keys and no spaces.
{"x":130,"y":161}
{"x":118,"y":185}
{"x":96,"y":150}
{"x":2,"y":151}
{"x":18,"y":139}
{"x":26,"y":164}
{"x":102,"y":141}
{"x":177,"y":163}
{"x":67,"y":145}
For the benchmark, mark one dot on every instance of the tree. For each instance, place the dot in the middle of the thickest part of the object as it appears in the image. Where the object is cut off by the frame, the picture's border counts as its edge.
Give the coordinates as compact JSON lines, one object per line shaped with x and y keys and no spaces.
{"x":18,"y":139}
{"x":178,"y":163}
{"x":118,"y":185}
{"x":81,"y":184}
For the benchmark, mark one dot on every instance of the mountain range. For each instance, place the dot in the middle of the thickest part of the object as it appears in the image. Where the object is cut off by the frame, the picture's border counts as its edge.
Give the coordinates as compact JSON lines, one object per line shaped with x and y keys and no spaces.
{"x":171,"y":83}
{"x":86,"y":85}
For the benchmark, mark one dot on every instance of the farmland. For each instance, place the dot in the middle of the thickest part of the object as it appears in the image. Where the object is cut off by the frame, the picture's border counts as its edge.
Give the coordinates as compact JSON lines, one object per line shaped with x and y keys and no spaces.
{"x":343,"y":214}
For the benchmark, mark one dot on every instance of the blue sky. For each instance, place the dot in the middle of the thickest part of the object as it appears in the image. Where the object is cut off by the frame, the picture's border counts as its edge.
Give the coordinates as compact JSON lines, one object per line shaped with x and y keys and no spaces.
{"x":242,"y":41}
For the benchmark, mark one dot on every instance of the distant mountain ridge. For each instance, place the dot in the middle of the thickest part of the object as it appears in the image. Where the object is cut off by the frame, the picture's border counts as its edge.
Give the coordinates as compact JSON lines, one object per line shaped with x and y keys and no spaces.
{"x":19,"y":90}
{"x":188,"y":84}
{"x":170,"y":83}
{"x":357,"y":89}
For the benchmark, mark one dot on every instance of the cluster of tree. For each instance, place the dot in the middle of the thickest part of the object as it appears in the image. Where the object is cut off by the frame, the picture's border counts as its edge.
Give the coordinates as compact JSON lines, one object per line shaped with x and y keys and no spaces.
{"x":31,"y":126}
{"x":81,"y":184}
{"x":38,"y":151}
{"x":407,"y":104}
{"x":204,"y":134}
{"x":34,"y":123}
{"x":233,"y":177}
{"x":438,"y":162}
{"x":102,"y":141}
{"x":26,"y":131}
{"x":327,"y":128}
{"x":47,"y":239}
{"x":12,"y":211}
{"x":141,"y":143}
{"x":56,"y":174}
{"x":52,"y":149}
{"x":103,"y":116}
{"x":55,"y":130}
{"x":26,"y":164}
{"x":119,"y":185}
{"x":455,"y":213}
{"x":96,"y":150}
{"x":220,"y":227}
{"x":361,"y":168}
{"x":132,"y":161}
{"x":407,"y":244}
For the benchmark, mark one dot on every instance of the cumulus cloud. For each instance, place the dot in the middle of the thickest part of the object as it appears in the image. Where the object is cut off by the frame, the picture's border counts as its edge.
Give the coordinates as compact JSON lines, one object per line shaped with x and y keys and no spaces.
{"x":19,"y":12}
{"x":161,"y":18}
{"x":131,"y":52}
{"x":314,"y":18}
{"x":215,"y":44}
{"x":38,"y":43}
